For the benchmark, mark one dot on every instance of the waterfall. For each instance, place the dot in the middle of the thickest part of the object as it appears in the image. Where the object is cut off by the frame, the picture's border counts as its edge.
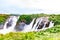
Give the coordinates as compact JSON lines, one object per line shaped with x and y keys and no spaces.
{"x":13,"y":20}
{"x":7,"y":21}
{"x":36,"y":24}
{"x":33,"y":26}
{"x":27,"y":28}
{"x":51,"y":24}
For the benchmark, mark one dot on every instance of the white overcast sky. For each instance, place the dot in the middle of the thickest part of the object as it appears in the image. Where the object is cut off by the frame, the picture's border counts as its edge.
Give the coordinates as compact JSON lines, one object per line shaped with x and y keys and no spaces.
{"x":30,"y":6}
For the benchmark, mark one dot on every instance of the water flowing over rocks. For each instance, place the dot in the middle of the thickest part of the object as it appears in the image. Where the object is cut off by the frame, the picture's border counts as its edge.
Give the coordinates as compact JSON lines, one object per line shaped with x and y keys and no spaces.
{"x":36,"y":25}
{"x":9,"y":25}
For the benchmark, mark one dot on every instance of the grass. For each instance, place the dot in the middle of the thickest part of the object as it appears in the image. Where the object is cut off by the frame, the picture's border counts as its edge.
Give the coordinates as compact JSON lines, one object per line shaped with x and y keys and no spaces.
{"x":49,"y":34}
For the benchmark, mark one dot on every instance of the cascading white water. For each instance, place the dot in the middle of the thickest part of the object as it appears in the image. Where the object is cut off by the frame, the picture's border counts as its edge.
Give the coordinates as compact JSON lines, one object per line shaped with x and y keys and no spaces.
{"x":13,"y":20}
{"x":28,"y":28}
{"x":7,"y":21}
{"x":33,"y":26}
{"x":51,"y":24}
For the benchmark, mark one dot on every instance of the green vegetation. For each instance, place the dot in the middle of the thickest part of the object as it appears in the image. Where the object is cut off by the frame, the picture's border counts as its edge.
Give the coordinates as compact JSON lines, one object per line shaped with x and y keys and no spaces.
{"x":3,"y":18}
{"x":28,"y":18}
{"x":25,"y":18}
{"x":49,"y":34}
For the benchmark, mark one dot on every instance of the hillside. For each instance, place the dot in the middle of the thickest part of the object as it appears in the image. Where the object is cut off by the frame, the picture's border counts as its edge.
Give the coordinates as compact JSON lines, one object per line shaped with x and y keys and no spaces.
{"x":49,"y":34}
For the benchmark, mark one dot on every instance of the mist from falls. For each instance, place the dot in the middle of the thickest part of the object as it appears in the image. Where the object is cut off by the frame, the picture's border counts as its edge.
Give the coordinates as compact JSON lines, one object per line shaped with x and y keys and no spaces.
{"x":35,"y":25}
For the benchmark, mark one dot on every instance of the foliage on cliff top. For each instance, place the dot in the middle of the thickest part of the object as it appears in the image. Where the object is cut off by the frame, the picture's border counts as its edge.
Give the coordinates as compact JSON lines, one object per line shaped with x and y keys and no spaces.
{"x":3,"y":18}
